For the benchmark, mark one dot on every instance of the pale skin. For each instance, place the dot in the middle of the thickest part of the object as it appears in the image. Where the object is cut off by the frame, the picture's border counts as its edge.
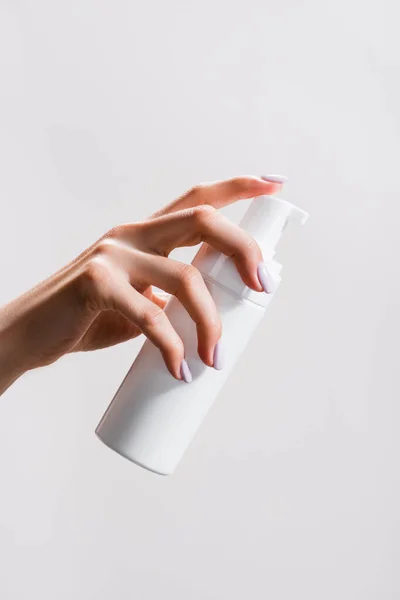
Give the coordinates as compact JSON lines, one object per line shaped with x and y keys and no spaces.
{"x":105,"y":295}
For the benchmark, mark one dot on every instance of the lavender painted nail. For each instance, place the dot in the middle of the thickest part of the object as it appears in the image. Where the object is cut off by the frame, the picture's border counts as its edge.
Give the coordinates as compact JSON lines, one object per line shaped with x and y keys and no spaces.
{"x":218,"y":363}
{"x":274,"y":178}
{"x":185,"y":372}
{"x":265,"y":278}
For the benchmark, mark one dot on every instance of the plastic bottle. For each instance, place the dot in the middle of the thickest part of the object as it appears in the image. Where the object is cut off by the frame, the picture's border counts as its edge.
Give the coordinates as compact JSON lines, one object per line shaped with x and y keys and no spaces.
{"x":153,"y":417}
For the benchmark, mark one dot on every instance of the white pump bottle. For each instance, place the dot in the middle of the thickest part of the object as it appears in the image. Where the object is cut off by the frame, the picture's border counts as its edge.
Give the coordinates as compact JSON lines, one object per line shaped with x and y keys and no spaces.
{"x":153,"y":417}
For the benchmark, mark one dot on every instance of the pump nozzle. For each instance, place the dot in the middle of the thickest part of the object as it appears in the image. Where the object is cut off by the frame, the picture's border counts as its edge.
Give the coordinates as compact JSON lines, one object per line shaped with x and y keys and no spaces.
{"x":266,"y":218}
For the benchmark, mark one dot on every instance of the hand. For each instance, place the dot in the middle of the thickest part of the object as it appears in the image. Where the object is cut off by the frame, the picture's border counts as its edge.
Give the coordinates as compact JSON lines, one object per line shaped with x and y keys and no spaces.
{"x":105,"y":295}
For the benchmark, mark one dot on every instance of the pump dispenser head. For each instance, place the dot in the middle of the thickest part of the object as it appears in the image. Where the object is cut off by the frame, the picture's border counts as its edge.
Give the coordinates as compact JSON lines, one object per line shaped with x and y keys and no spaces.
{"x":266,"y":219}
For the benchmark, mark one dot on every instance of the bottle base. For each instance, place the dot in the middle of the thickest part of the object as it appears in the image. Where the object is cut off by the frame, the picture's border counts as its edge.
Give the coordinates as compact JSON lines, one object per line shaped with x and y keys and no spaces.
{"x":132,"y":460}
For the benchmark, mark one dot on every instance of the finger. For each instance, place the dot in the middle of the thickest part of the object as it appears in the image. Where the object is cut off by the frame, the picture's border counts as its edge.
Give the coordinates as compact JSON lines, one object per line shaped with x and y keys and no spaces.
{"x":186,"y":283}
{"x":204,"y":224}
{"x":153,"y":322}
{"x":160,"y":299}
{"x":222,"y":193}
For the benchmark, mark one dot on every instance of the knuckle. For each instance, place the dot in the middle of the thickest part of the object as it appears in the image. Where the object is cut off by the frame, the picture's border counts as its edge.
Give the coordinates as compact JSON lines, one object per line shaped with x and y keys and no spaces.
{"x":105,"y":247}
{"x":195,"y":192}
{"x":201,"y":214}
{"x":122,"y":232}
{"x":173,"y":347}
{"x":152,"y":317}
{"x":115,"y":232}
{"x":97,"y":269}
{"x":95,"y":278}
{"x":188,"y":276}
{"x":197,"y":189}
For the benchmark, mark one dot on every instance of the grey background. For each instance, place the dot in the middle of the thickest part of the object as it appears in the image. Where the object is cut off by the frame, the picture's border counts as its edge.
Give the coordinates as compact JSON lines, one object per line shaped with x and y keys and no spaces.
{"x":291,"y":488}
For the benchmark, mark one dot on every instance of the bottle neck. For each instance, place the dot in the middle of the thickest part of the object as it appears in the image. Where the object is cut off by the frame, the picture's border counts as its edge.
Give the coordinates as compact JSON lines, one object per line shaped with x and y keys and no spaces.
{"x":221,"y":270}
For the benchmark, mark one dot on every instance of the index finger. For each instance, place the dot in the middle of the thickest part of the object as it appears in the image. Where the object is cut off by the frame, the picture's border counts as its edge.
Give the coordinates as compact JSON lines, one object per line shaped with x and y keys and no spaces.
{"x":222,"y":193}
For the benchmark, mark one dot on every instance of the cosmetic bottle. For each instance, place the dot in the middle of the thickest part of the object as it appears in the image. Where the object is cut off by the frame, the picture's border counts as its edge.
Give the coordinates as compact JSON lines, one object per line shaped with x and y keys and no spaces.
{"x":153,"y":417}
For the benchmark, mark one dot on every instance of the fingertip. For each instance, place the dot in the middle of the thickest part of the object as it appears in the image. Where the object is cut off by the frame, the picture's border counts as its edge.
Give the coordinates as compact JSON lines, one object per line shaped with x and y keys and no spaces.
{"x":249,"y":186}
{"x":262,"y":185}
{"x":249,"y":276}
{"x":280,"y":179}
{"x":272,"y":188}
{"x":173,"y":369}
{"x":205,"y":355}
{"x":207,"y":340}
{"x":180,"y":371}
{"x":256,"y":286}
{"x":219,"y":356}
{"x":173,"y":362}
{"x":185,"y":371}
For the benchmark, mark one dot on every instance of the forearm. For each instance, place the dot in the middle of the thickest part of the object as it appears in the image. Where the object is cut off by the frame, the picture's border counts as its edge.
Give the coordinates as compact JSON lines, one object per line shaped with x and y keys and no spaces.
{"x":7,"y":376}
{"x":10,"y":360}
{"x":43,"y":324}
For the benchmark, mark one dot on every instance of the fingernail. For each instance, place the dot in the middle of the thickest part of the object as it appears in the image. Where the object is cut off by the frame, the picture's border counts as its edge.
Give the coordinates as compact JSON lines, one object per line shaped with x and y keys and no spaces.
{"x":218,"y":362}
{"x":185,"y":372}
{"x":265,"y":278}
{"x":274,"y":178}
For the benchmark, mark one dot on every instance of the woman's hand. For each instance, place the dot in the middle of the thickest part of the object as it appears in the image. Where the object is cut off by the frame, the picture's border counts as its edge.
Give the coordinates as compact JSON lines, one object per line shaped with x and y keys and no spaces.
{"x":105,"y":295}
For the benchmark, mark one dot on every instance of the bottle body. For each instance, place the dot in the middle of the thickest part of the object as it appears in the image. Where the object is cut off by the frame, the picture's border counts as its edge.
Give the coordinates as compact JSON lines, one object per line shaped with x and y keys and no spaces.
{"x":153,"y":417}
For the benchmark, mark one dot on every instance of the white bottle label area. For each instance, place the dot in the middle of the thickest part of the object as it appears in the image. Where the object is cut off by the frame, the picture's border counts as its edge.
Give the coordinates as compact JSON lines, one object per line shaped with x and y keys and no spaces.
{"x":153,"y":417}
